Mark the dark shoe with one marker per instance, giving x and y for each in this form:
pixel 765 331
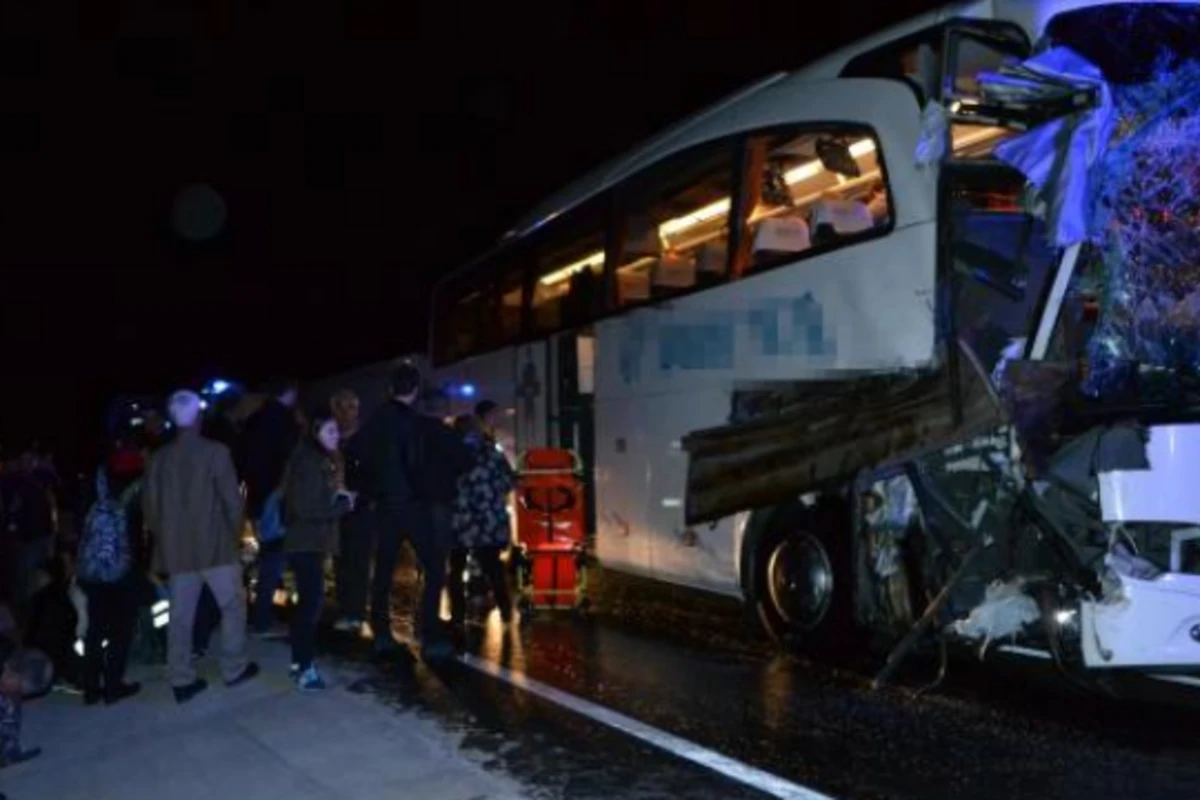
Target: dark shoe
pixel 387 646
pixel 20 757
pixel 91 697
pixel 186 693
pixel 438 651
pixel 248 674
pixel 121 692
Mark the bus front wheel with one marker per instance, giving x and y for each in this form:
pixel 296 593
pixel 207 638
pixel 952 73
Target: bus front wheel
pixel 800 581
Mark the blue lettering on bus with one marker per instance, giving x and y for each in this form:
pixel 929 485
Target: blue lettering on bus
pixel 704 344
pixel 806 335
pixel 704 340
pixel 631 346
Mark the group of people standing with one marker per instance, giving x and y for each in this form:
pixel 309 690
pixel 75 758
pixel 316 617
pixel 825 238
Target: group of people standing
pixel 333 486
pixel 355 490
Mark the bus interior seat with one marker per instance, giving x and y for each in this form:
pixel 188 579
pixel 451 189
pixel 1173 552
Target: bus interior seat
pixel 833 217
pixel 711 260
pixel 778 236
pixel 675 271
pixel 633 285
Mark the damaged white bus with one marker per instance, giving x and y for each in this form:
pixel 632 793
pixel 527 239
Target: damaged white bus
pixel 905 341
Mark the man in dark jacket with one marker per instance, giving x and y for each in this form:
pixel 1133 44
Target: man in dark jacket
pixel 411 464
pixel 270 437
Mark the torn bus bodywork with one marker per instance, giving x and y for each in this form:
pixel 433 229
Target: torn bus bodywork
pixel 1033 491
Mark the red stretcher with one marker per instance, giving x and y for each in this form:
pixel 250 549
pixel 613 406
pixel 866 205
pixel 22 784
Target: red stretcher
pixel 551 530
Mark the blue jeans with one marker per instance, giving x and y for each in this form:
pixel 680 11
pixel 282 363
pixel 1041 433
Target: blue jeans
pixel 272 561
pixel 309 569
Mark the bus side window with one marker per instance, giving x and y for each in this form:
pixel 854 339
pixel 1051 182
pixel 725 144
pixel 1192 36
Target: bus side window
pixel 502 311
pixel 460 318
pixel 568 283
pixel 810 192
pixel 674 227
pixel 509 300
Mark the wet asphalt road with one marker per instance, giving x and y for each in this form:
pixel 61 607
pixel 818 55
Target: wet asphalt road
pixel 986 733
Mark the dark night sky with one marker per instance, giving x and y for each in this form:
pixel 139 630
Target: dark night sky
pixel 359 152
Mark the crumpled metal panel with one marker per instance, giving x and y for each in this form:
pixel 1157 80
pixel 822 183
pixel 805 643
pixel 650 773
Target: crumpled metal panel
pixel 829 434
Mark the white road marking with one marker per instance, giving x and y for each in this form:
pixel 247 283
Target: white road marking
pixel 1185 680
pixel 731 768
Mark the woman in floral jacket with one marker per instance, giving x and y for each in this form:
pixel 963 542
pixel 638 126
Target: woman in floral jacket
pixel 481 522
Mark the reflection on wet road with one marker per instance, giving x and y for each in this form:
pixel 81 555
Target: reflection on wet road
pixel 556 754
pixel 987 734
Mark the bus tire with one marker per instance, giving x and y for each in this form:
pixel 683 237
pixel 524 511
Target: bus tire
pixel 800 585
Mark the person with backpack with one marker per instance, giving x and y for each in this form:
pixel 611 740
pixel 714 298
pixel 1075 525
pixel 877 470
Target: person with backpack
pixel 268 441
pixel 106 572
pixel 315 499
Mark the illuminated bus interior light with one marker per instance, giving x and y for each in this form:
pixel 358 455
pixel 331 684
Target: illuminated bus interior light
pixel 596 259
pixel 703 215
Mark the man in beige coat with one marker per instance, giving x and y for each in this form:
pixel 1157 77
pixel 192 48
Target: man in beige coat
pixel 194 509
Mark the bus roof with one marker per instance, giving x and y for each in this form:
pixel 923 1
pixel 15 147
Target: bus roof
pixel 709 123
pixel 736 112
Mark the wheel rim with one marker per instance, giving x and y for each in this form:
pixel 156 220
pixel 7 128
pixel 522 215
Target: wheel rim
pixel 800 577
